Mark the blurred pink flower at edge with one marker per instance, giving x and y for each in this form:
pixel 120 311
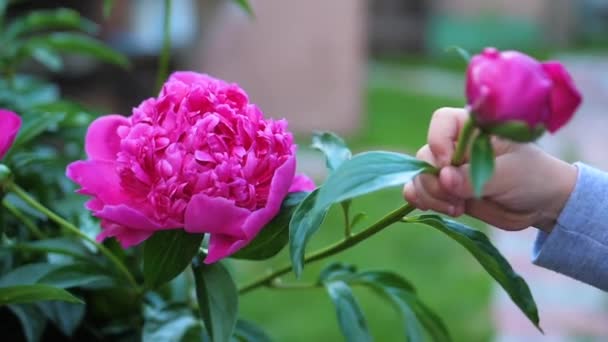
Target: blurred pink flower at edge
pixel 9 127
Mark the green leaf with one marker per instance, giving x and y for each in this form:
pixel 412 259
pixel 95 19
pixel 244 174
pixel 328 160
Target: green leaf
pixel 39 20
pixel 168 324
pixel 66 316
pixel 482 163
pixel 245 6
pixel 27 274
pixel 217 297
pixel 167 253
pixel 402 295
pixel 304 223
pixel 337 271
pixel 65 246
pixel 350 317
pixel 333 147
pixel 73 43
pixel 26 92
pixel 33 126
pixel 247 331
pixel 34 293
pixel 358 218
pixel 84 275
pixel 48 58
pixel 364 173
pixel 32 320
pixel 463 53
pixel 489 257
pixel 76 114
pixel 275 235
pixel 368 172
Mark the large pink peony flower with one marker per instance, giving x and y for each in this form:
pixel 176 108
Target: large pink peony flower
pixel 9 127
pixel 198 157
pixel 511 86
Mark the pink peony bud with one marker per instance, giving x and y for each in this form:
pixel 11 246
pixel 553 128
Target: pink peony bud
pixel 9 127
pixel 511 86
pixel 198 157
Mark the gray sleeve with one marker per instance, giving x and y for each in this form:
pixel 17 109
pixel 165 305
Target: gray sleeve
pixel 578 244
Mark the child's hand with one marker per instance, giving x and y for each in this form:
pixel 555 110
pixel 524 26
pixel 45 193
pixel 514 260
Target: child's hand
pixel 529 187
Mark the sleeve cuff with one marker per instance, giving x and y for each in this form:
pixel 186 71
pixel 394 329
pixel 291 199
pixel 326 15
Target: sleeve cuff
pixel 578 244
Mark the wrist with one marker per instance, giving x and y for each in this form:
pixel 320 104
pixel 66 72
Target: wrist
pixel 565 176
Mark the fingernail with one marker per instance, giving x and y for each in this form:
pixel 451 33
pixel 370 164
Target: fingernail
pixel 451 210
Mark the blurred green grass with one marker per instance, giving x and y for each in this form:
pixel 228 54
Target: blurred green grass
pixel 447 278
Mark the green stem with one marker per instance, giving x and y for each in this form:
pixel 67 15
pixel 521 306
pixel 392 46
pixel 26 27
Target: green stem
pixel 336 248
pixel 71 228
pixel 463 141
pixel 276 283
pixel 29 224
pixel 163 62
pixel 346 212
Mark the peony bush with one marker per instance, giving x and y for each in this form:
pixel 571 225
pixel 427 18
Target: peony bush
pixel 197 176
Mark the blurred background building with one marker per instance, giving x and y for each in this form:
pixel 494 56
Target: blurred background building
pixel 375 70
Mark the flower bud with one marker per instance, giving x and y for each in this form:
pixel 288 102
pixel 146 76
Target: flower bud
pixel 509 86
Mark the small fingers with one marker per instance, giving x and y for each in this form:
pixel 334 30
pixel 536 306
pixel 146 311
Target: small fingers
pixel 429 196
pixel 444 128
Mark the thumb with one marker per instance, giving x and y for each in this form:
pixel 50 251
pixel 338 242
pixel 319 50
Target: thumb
pixel 457 182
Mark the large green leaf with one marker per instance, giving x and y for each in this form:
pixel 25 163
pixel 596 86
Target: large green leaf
pixel 247 331
pixel 167 253
pixel 34 293
pixel 333 147
pixel 350 317
pixel 304 223
pixel 402 295
pixel 217 297
pixel 364 173
pixel 38 20
pixel 73 43
pixel 489 257
pixel 368 172
pixel 482 163
pixel 32 320
pixel 275 235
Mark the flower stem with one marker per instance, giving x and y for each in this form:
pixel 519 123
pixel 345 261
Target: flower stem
pixel 463 141
pixel 71 228
pixel 346 212
pixel 29 224
pixel 163 61
pixel 336 248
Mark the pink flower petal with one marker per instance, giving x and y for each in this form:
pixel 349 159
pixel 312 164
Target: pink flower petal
pixel 132 218
pixel 221 246
pixel 215 215
pixel 279 187
pixel 97 178
pixel 302 182
pixel 102 141
pixel 127 237
pixel 565 98
pixel 9 127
